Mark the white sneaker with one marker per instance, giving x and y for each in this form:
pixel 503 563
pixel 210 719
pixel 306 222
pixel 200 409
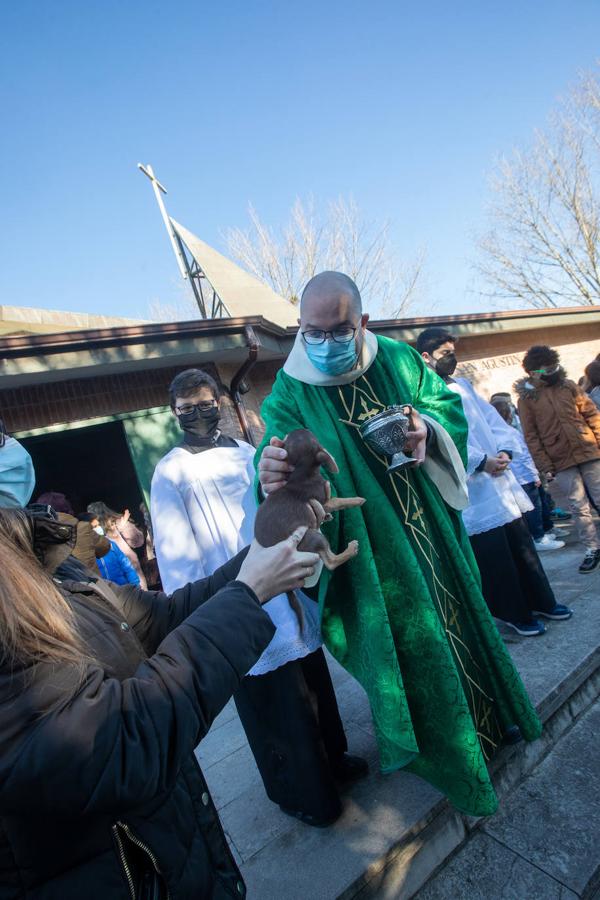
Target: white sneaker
pixel 555 536
pixel 548 543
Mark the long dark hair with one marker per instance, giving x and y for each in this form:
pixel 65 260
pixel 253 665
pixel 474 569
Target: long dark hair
pixel 36 622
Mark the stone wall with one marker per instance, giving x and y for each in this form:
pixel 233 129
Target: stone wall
pixel 493 362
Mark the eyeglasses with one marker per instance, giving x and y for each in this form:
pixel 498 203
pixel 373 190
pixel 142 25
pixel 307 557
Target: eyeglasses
pixel 187 408
pixel 339 335
pixel 546 370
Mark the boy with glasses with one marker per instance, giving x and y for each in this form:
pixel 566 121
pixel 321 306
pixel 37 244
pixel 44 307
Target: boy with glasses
pixel 203 509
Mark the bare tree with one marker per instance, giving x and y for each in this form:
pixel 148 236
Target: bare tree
pixel 180 307
pixel 338 238
pixel 543 247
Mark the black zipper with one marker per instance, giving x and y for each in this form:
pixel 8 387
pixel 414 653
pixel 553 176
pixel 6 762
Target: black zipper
pixel 124 863
pixel 141 846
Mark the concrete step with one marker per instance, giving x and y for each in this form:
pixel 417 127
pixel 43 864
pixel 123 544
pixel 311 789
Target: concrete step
pixel 396 830
pixel 543 843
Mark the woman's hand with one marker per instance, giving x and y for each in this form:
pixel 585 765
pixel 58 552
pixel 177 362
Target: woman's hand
pixel 269 571
pixel 273 468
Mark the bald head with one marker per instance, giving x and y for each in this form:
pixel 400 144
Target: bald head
pixel 331 302
pixel 329 290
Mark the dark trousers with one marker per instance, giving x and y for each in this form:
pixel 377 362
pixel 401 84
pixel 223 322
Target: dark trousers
pixel 539 519
pixel 534 516
pixel 295 732
pixel 513 579
pixel 547 508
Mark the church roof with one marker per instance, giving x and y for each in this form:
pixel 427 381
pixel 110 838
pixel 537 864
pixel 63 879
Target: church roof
pixel 241 293
pixel 24 320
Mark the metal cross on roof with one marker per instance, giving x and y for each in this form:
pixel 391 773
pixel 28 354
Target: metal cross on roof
pixel 209 303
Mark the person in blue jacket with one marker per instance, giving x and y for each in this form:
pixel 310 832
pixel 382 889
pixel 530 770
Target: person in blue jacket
pixel 115 566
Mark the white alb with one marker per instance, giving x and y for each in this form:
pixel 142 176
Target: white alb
pixel 203 510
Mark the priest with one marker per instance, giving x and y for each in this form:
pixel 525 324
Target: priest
pixel 406 617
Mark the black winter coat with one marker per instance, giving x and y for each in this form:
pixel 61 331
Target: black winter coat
pixel 106 785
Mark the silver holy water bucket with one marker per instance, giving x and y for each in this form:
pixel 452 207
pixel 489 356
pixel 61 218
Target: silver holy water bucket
pixel 386 434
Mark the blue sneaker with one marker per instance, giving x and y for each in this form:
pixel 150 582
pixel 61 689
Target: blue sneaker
pixel 560 514
pixel 512 735
pixel 559 612
pixel 527 629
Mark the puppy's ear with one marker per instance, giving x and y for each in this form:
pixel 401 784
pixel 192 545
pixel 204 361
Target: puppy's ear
pixel 326 460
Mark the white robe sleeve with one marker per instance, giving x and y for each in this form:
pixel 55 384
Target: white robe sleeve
pixel 445 468
pixel 177 552
pixel 475 452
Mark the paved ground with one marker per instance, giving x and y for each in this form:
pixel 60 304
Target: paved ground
pixel 283 858
pixel 543 843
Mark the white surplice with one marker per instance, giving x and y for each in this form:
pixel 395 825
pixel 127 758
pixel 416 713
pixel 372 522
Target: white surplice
pixel 203 511
pixel 493 500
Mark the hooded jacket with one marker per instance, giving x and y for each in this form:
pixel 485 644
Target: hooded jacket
pixel 89 545
pixel 102 790
pixel 560 423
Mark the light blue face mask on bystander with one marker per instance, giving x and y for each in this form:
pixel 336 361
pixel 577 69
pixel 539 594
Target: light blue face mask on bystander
pixel 332 357
pixel 17 477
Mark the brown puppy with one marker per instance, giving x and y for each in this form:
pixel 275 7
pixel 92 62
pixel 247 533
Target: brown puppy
pixel 305 499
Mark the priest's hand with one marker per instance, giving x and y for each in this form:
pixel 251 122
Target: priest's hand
pixel 273 468
pixel 416 439
pixel 269 571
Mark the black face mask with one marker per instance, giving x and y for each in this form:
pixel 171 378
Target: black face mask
pixel 202 422
pixel 446 365
pixel 554 378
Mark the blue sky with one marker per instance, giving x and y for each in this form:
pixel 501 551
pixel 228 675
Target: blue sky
pixel 404 106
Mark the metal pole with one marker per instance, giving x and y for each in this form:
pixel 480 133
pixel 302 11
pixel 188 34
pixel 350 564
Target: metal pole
pixel 235 390
pixel 196 287
pixel 157 188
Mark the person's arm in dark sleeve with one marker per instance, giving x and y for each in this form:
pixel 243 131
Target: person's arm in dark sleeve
pixel 118 744
pixel 153 614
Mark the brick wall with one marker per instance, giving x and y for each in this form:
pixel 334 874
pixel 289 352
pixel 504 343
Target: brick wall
pixel 38 406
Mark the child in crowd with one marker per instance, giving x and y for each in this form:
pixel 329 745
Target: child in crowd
pixel 538 519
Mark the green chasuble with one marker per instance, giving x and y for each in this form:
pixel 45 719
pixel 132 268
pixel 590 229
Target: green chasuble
pixel 406 617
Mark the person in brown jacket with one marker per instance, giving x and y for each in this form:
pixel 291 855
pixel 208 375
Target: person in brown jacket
pixel 90 546
pixel 562 428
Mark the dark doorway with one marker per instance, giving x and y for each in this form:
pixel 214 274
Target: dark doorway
pixel 86 464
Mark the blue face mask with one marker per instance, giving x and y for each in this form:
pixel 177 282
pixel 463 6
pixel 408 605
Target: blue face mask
pixel 17 478
pixel 331 357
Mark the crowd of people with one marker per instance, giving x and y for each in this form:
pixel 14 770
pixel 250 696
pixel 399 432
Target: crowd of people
pixel 121 642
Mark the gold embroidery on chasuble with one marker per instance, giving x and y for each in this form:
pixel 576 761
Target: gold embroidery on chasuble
pixel 359 402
